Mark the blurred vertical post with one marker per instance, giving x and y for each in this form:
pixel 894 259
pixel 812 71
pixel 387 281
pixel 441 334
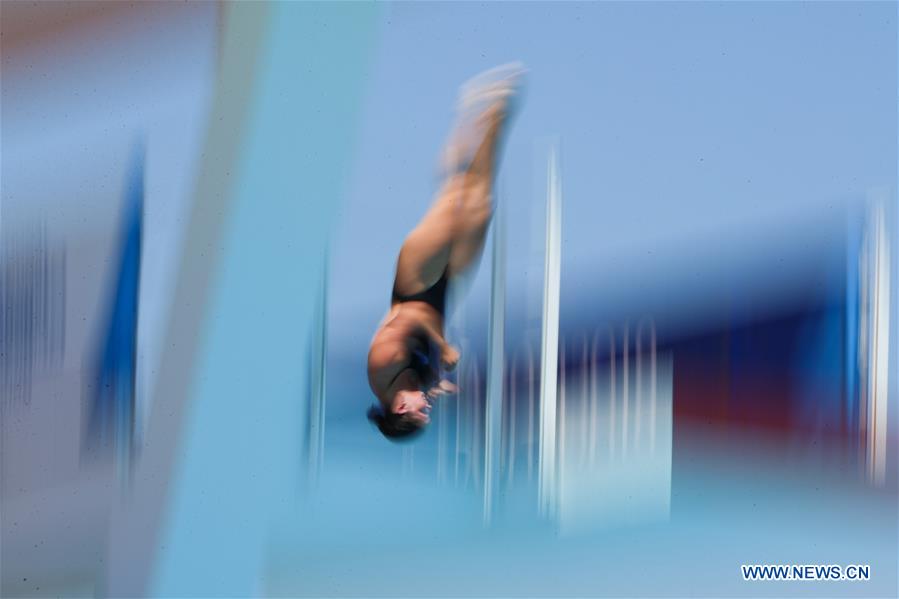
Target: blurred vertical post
pixel 315 426
pixel 495 365
pixel 875 326
pixel 549 358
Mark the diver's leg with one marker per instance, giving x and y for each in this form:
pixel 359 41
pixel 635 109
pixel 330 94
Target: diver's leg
pixel 472 217
pixel 425 254
pixel 450 237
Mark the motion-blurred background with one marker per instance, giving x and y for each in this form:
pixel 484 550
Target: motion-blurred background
pixel 201 209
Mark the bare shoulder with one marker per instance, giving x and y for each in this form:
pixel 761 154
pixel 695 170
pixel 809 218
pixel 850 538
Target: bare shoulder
pixel 386 351
pixel 393 341
pixel 387 357
pixel 389 346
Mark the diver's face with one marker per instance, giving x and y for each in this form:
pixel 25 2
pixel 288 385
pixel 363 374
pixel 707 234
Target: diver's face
pixel 414 404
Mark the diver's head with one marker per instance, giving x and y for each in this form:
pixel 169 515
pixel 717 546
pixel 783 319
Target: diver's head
pixel 407 417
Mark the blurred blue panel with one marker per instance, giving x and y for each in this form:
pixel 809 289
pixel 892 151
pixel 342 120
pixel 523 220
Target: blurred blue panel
pixel 853 252
pixel 111 389
pixel 243 432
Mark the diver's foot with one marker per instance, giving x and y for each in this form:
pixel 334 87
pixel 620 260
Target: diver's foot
pixel 484 103
pixel 483 90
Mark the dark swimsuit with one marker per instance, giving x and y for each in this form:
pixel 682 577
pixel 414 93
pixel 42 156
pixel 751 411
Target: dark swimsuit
pixel 425 356
pixel 434 296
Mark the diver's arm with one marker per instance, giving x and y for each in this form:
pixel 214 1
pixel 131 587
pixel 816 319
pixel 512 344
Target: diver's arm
pixel 449 355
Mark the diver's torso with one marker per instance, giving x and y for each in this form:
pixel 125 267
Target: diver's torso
pixel 401 343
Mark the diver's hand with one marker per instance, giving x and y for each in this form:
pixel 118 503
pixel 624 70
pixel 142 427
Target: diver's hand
pixel 444 387
pixel 449 357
